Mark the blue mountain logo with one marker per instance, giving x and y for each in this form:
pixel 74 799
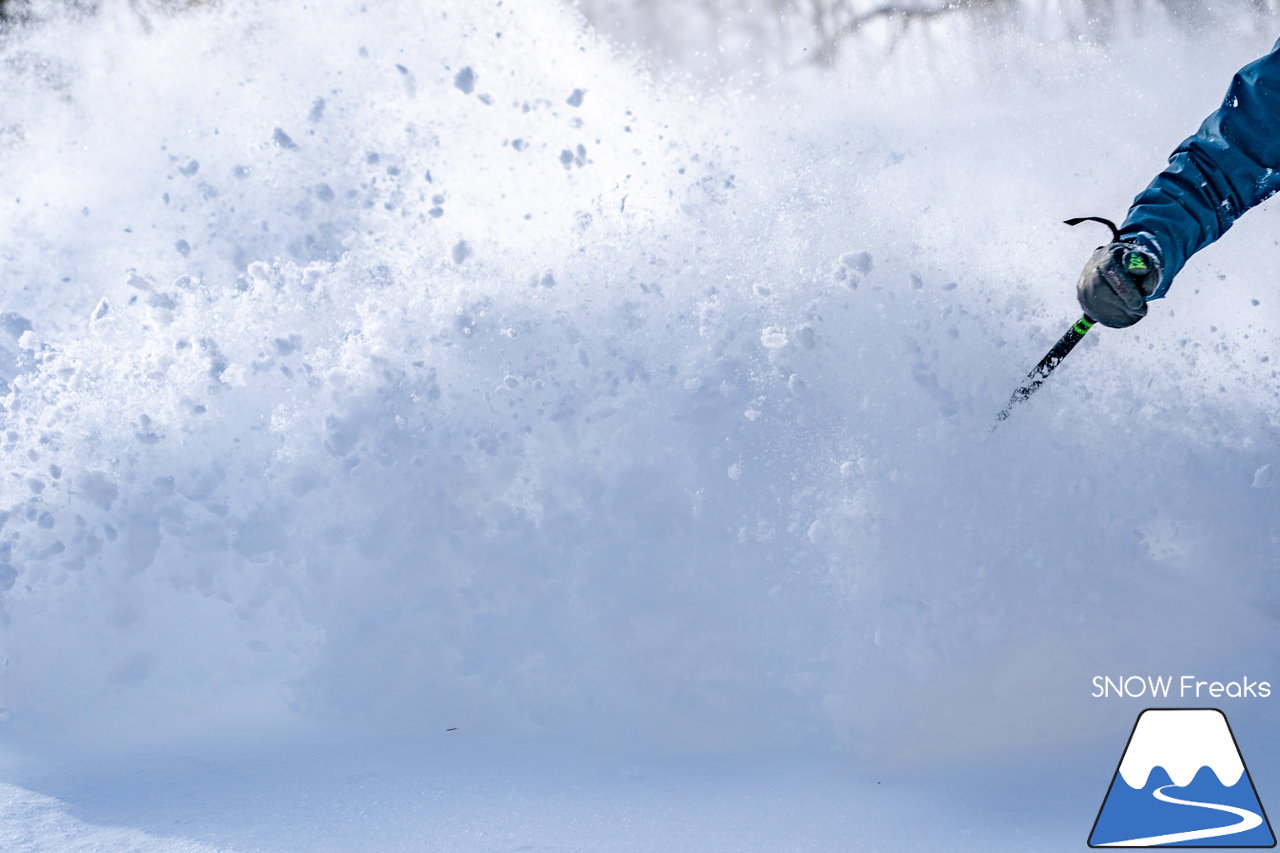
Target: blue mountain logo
pixel 1182 783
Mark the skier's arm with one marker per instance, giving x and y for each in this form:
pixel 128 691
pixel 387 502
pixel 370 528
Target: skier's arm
pixel 1230 165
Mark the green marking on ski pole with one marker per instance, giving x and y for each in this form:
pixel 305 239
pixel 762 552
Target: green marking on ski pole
pixel 1052 359
pixel 1137 262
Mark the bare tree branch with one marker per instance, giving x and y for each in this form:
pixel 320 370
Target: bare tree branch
pixel 905 15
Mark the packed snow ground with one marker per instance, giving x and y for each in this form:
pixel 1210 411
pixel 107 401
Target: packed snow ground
pixel 455 794
pixel 390 368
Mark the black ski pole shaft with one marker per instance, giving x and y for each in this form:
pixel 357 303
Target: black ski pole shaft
pixel 1052 359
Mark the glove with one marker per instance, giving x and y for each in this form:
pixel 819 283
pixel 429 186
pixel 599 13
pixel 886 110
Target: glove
pixel 1117 282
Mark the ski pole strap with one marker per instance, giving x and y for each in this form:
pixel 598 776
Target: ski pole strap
pixel 1115 232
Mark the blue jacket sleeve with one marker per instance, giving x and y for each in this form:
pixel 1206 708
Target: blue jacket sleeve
pixel 1231 164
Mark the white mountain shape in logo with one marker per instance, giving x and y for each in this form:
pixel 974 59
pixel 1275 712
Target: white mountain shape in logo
pixel 1181 742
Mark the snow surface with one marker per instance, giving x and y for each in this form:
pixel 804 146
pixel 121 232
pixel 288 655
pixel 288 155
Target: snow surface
pixel 399 367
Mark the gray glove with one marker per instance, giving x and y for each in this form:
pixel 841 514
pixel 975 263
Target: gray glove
pixel 1117 282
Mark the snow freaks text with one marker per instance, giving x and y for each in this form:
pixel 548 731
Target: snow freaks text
pixel 1178 687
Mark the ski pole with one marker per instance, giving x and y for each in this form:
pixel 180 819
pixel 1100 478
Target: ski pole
pixel 1052 359
pixel 1067 342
